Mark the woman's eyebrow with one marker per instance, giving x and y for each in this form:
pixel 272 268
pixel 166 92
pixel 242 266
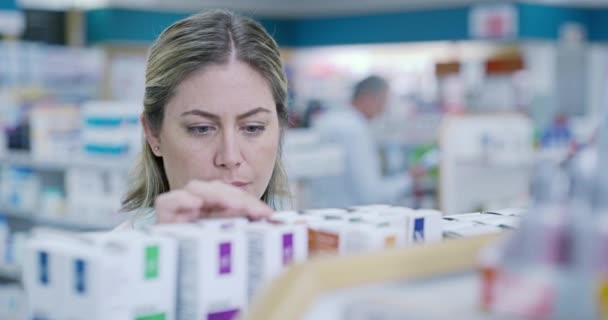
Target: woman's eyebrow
pixel 201 113
pixel 252 112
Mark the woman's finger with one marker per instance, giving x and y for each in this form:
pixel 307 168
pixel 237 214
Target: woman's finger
pixel 177 206
pixel 232 200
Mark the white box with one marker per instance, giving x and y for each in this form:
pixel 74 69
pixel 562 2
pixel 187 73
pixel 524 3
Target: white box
pixel 425 226
pixel 109 275
pixel 305 219
pixel 451 225
pixel 473 216
pixel 212 280
pixel 273 247
pixel 509 212
pixel 372 235
pixel 371 207
pixel 143 272
pixel 330 212
pixel 98 282
pixel 45 279
pixel 507 222
pixel 475 230
pixel 327 237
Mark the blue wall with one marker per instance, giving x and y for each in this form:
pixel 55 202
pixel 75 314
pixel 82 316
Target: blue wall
pixel 116 25
pixel 543 21
pixel 8 5
pixel 536 21
pixel 598 25
pixel 120 25
pixel 420 25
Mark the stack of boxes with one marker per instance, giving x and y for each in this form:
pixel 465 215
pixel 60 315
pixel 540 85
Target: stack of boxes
pixel 478 223
pixel 209 269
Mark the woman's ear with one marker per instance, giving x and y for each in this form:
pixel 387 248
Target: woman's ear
pixel 152 139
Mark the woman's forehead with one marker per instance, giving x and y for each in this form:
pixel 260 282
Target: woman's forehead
pixel 229 89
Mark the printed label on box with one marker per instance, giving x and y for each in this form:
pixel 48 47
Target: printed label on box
pixel 419 230
pixel 159 316
pixel 80 276
pixel 390 242
pixel 287 248
pixel 321 241
pixel 151 262
pixel 225 252
pixel 43 266
pixel 223 315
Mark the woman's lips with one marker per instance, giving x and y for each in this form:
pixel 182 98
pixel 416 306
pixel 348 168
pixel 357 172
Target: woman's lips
pixel 240 184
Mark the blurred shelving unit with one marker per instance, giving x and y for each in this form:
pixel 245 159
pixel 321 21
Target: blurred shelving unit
pixel 68 223
pixel 23 159
pixel 10 273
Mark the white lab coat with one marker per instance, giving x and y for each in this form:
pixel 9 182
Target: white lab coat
pixel 362 182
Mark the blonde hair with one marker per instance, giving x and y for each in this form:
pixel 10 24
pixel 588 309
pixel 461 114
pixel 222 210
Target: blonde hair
pixel 183 48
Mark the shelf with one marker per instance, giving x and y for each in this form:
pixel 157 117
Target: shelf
pixel 481 163
pixel 26 160
pixel 10 273
pixel 55 222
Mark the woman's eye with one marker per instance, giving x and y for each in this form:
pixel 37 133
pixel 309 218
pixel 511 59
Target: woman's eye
pixel 201 130
pixel 254 129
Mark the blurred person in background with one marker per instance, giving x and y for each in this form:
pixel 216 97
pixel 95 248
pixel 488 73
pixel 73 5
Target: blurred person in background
pixel 362 181
pixel 314 108
pixel 215 109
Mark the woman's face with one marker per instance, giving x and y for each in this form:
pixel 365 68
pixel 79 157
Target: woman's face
pixel 221 124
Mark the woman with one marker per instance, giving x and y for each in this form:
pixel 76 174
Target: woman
pixel 214 114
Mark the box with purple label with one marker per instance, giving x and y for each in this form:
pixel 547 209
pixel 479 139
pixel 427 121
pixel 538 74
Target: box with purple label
pixel 272 247
pixel 212 279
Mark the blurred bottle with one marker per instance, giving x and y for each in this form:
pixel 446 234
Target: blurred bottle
pixel 575 296
pixel 527 280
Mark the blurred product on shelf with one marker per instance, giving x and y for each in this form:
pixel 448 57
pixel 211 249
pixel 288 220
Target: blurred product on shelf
pixel 19 188
pixel 111 129
pixel 54 131
pixel 72 74
pixel 485 162
pixel 502 89
pixel 450 87
pixel 5 234
pixel 92 195
pixel 13 304
pixel 558 255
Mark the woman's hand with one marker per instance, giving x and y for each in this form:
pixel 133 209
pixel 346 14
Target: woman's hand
pixel 200 199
